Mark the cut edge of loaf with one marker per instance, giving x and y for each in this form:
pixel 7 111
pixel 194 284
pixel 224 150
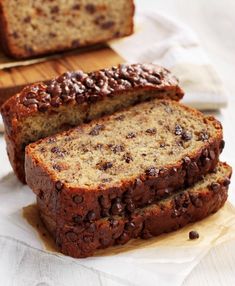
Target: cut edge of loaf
pixel 11 49
pixel 170 214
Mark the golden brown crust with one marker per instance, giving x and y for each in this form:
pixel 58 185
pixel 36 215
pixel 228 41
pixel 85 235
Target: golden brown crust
pixel 168 215
pixel 83 90
pixel 169 179
pixel 89 88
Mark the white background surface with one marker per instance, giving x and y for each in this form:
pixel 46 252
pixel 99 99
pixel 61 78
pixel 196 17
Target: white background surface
pixel 214 23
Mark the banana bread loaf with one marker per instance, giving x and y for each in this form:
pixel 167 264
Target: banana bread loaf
pixel 41 109
pixel 190 205
pixel 41 27
pixel 123 161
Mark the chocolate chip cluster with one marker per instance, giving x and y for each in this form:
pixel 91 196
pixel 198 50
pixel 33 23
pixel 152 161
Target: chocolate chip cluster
pixel 79 87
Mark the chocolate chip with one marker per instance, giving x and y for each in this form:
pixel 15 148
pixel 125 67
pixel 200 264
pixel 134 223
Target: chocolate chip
pixel 51 140
pixel 129 226
pixel 226 182
pixel 186 136
pixel 80 98
pixel 117 148
pixel 96 130
pixel 99 19
pixel 59 185
pixel 151 171
pixel 29 49
pixel 43 107
pixel 215 187
pixel 15 35
pixel 76 43
pixel 42 149
pixel 55 9
pixel 130 135
pixel 113 223
pixel 196 201
pixel 55 102
pixel 89 82
pixel 90 8
pixel 178 130
pixel 106 180
pixel 203 136
pixel 77 219
pixel 107 25
pixel 76 7
pixel 31 95
pixel 123 238
pixel 78 199
pixel 71 236
pixel 153 79
pixel 57 167
pixel 151 131
pixel 29 101
pixel 117 208
pixel 91 216
pixel 127 157
pixel 193 234
pixel 55 149
pixel 105 166
pixel 27 19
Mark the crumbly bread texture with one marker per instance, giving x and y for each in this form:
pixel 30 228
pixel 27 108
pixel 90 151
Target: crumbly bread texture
pixel 187 206
pixel 123 161
pixel 41 110
pixel 41 27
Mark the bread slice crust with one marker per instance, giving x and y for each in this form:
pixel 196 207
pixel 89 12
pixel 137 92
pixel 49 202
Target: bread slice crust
pixel 63 192
pixel 190 205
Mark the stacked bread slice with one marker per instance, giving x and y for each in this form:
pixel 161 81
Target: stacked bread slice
pixel 150 166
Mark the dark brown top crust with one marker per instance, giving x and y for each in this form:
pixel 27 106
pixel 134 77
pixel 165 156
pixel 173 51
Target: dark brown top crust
pixel 79 87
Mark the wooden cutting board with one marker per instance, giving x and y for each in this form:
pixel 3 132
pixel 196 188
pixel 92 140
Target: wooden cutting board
pixel 14 79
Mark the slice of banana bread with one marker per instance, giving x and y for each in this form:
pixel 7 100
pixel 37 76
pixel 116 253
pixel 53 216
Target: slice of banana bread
pixel 41 109
pixel 190 205
pixel 47 26
pixel 123 161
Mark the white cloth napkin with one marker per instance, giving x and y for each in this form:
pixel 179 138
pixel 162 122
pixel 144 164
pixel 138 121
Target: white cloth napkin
pixel 161 40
